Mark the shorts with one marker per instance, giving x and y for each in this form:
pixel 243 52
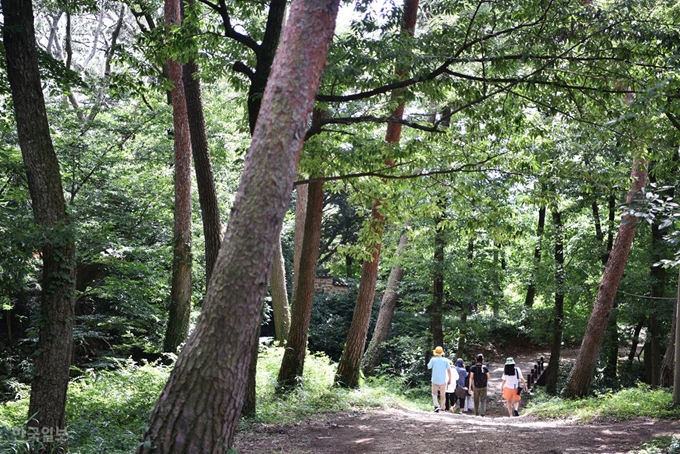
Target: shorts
pixel 510 394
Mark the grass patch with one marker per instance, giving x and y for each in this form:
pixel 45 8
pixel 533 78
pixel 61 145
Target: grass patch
pixel 625 404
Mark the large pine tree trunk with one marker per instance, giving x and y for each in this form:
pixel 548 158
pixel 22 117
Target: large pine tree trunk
pixel 293 362
pixel 531 288
pixel 180 293
pixel 582 374
pixel 373 354
pixel 199 407
pixel 53 353
pixel 553 369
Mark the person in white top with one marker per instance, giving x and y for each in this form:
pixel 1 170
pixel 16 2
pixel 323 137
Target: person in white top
pixel 451 397
pixel 511 384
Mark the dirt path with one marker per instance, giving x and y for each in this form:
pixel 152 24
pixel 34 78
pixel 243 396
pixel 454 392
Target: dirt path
pixel 411 431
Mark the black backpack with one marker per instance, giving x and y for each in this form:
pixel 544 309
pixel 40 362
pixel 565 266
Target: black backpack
pixel 480 375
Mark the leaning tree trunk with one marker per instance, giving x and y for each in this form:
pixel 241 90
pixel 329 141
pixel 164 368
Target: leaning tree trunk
pixel 553 369
pixel 531 288
pixel 582 374
pixel 349 367
pixel 205 181
pixel 55 342
pixel 199 407
pixel 373 354
pixel 180 293
pixel 293 362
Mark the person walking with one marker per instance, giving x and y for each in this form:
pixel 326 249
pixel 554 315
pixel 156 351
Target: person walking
pixel 441 376
pixel 510 385
pixel 451 389
pixel 479 378
pixel 461 388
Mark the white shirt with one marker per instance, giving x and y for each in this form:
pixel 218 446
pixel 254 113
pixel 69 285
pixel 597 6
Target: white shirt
pixel 511 381
pixel 451 387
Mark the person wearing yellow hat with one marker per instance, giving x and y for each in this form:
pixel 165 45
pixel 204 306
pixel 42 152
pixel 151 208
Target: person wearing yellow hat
pixel 441 376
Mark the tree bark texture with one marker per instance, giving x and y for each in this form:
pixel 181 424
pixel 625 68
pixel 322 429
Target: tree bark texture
pixel 293 362
pixel 199 407
pixel 582 374
pixel 349 367
pixel 553 369
pixel 180 293
pixel 388 305
pixel 531 288
pixel 298 240
pixel 55 343
pixel 205 181
pixel 279 292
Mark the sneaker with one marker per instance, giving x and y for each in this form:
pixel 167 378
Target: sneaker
pixel 515 413
pixel 436 409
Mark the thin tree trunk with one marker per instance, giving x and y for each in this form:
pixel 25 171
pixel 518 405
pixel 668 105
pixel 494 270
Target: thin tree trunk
pixel 553 369
pixel 293 362
pixel 298 240
pixel 349 367
pixel 280 308
pixel 205 181
pixel 180 293
pixel 55 342
pixel 531 289
pixel 373 354
pixel 199 407
pixel 582 374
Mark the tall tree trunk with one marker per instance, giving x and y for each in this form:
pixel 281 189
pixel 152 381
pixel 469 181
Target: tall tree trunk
pixel 293 362
pixel 531 289
pixel 582 374
pixel 180 293
pixel 349 366
pixel 435 309
pixel 280 308
pixel 388 305
pixel 199 407
pixel 205 181
pixel 553 369
pixel 55 343
pixel 612 334
pixel 298 239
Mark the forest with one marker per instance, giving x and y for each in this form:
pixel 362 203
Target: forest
pixel 191 190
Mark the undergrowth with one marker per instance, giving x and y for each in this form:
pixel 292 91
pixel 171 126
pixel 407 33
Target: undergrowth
pixel 107 410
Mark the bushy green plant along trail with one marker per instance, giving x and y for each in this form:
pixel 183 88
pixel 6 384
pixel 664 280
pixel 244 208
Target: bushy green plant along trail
pixel 107 410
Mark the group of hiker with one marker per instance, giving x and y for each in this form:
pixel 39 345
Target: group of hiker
pixel 458 388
